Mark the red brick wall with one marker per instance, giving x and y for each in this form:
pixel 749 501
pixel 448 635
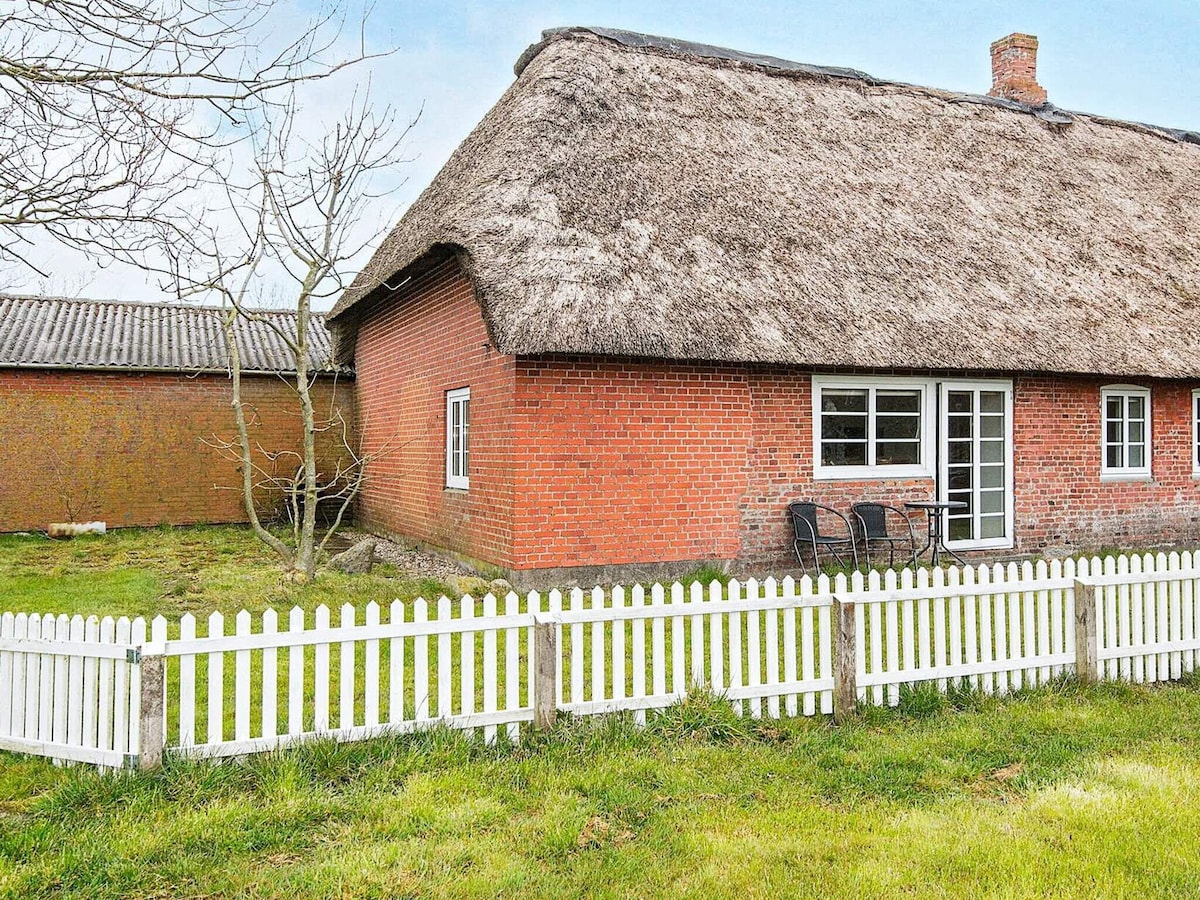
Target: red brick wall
pixel 633 462
pixel 427 340
pixel 130 449
pixel 627 462
pixel 781 471
pixel 1060 499
pixel 592 462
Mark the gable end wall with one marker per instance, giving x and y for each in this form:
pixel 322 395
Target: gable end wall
pixel 428 339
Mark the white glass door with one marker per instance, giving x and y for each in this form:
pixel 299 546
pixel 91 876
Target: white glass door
pixel 975 450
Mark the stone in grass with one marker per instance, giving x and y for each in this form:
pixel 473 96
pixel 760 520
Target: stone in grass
pixel 357 560
pixel 73 529
pixel 461 585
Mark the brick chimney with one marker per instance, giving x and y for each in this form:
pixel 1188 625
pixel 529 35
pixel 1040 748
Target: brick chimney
pixel 1014 70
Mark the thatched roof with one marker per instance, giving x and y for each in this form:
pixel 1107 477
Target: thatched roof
pixel 64 333
pixel 641 197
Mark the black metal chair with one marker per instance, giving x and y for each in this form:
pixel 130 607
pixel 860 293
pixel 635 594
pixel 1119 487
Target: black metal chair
pixel 807 533
pixel 873 519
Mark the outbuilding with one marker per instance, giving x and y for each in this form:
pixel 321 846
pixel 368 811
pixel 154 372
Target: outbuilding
pixel 118 411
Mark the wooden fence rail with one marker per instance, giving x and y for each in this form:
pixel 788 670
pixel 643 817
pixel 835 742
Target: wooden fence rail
pixel 120 693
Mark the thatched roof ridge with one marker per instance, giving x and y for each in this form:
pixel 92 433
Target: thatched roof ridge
pixel 634 196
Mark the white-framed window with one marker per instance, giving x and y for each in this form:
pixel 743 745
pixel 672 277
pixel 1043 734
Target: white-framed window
pixel 458 428
pixel 1196 433
pixel 866 427
pixel 1125 436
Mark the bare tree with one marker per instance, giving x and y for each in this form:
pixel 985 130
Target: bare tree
pixel 114 112
pixel 305 217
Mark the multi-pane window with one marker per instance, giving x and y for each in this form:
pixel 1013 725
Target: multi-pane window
pixel 458 426
pixel 976 463
pixel 954 435
pixel 870 429
pixel 1126 439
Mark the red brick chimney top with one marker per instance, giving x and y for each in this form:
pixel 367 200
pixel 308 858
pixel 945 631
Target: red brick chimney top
pixel 1014 70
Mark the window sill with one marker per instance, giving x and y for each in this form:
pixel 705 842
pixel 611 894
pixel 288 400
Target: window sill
pixel 872 474
pixel 457 488
pixel 1127 477
pixel 983 544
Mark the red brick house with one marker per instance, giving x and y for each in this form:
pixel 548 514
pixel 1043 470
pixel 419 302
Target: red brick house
pixel 664 289
pixel 111 410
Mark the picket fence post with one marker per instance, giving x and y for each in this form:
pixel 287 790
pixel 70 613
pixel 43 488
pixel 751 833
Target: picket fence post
pixel 1086 638
pixel 152 717
pixel 845 660
pixel 545 671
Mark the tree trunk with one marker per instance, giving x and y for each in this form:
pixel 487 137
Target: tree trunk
pixel 247 460
pixel 306 557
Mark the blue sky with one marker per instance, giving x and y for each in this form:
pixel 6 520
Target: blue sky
pixel 1133 60
pixel 1123 58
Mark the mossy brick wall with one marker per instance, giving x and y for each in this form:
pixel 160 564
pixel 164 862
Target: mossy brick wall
pixel 609 462
pixel 133 448
pixel 425 341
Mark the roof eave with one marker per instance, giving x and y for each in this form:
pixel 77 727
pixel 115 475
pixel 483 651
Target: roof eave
pixel 342 372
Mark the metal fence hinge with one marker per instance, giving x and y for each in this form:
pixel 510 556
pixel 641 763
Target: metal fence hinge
pixel 130 761
pixel 133 655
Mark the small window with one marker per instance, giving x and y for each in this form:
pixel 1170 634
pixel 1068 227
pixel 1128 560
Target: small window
pixel 873 430
pixel 1125 448
pixel 458 427
pixel 1196 432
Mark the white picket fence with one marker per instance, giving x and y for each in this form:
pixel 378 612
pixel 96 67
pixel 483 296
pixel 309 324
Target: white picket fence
pixel 70 688
pixel 102 691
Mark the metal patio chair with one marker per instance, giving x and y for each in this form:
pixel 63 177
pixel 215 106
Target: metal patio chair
pixel 807 533
pixel 873 528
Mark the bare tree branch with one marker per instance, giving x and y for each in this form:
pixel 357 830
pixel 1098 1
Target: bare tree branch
pixel 303 210
pixel 115 115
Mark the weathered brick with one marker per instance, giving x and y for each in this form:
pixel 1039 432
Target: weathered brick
pixel 136 448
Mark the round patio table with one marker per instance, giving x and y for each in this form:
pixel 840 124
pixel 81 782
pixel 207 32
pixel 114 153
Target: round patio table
pixel 933 510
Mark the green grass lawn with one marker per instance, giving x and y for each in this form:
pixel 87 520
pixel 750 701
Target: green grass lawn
pixel 172 571
pixel 1060 792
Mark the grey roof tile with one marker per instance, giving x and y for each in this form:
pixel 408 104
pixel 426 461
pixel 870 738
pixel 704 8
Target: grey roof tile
pixel 56 332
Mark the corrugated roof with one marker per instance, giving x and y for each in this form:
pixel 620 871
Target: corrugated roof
pixel 57 332
pixel 637 196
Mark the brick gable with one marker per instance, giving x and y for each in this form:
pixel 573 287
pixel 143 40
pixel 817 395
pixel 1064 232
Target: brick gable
pixel 426 341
